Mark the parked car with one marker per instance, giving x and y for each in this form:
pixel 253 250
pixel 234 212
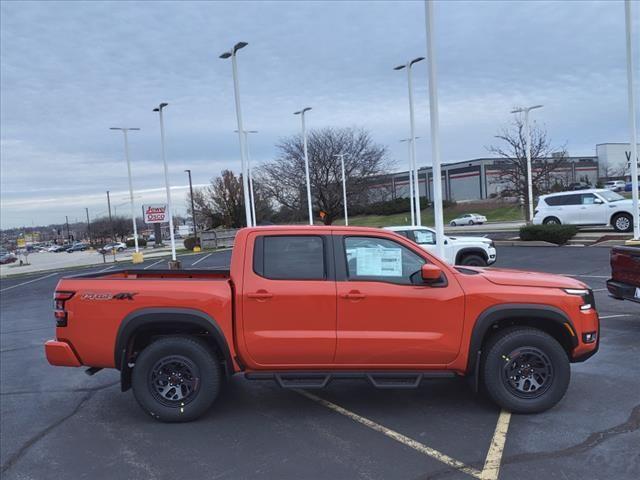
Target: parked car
pixel 624 283
pixel 468 219
pixel 597 206
pixel 7 257
pixel 615 185
pixel 578 186
pixel 77 247
pixel 629 187
pixel 350 302
pixel 117 246
pixel 473 251
pixel 58 248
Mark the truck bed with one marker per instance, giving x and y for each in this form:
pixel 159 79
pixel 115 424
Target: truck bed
pixel 210 273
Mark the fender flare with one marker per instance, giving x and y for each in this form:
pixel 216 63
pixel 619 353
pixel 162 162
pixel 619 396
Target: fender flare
pixel 472 250
pixel 167 317
pixel 512 311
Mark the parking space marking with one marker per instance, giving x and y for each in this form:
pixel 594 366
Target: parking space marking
pixel 491 468
pixel 615 316
pixel 154 263
pixel 409 442
pixel 201 259
pixel 30 281
pixel 105 269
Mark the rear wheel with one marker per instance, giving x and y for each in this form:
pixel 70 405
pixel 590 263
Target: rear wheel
pixel 471 222
pixel 176 379
pixel 525 370
pixel 453 224
pixel 622 222
pixel 551 221
pixel 473 261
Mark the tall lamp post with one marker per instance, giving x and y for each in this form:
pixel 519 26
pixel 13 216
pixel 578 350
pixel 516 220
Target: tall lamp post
pixel 527 133
pixel 193 210
pixel 174 264
pixel 306 160
pixel 412 147
pixel 435 130
pixel 344 187
pixel 632 124
pixel 113 235
pixel 243 148
pixel 250 175
pixel 411 174
pixel 137 256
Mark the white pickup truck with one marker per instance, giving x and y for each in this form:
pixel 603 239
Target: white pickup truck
pixel 470 251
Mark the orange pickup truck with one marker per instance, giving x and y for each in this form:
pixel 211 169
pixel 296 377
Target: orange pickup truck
pixel 308 305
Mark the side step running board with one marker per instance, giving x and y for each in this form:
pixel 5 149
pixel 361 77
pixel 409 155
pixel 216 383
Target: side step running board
pixel 310 379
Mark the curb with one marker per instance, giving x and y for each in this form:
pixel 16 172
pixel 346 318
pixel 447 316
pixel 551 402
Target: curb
pixel 521 243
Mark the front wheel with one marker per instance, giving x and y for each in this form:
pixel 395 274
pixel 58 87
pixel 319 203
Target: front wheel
pixel 622 223
pixel 551 221
pixel 453 224
pixel 176 379
pixel 473 261
pixel 525 370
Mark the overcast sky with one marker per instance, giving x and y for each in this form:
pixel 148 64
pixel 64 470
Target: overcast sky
pixel 69 71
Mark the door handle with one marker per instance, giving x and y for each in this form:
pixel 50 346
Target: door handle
pixel 260 295
pixel 354 295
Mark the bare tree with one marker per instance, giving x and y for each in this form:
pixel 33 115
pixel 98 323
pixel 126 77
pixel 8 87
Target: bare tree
pixel 545 160
pixel 283 179
pixel 222 202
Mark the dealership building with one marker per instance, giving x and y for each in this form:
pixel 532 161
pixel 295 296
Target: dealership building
pixel 482 178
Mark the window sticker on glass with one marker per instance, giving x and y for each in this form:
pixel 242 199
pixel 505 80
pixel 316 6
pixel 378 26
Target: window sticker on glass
pixel 373 262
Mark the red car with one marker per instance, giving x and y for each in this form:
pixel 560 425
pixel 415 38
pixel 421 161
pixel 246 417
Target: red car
pixel 624 283
pixel 308 305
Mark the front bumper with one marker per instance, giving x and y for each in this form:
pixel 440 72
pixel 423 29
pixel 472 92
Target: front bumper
pixel 622 291
pixel 61 354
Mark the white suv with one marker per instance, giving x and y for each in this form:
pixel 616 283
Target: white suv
pixel 470 251
pixel 585 207
pixel 616 185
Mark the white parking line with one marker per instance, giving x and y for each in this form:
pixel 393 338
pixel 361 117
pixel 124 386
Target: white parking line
pixel 615 316
pixel 105 269
pixel 154 263
pixel 409 442
pixel 30 281
pixel 201 259
pixel 584 276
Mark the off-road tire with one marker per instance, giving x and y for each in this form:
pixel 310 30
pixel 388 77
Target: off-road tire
pixel 206 378
pixel 506 347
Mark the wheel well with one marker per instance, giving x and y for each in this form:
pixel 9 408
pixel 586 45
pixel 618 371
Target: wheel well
pixel 549 217
pixel 613 217
pixel 557 330
pixel 471 251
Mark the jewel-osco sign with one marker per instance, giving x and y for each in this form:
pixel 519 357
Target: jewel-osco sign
pixel 158 213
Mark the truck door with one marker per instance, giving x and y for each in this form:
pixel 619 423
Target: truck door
pixel 386 315
pixel 289 300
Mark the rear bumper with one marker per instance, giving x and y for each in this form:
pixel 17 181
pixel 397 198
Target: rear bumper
pixel 622 290
pixel 61 354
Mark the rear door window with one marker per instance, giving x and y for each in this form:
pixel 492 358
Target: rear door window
pixel 290 257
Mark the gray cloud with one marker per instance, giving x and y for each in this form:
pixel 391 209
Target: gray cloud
pixel 69 71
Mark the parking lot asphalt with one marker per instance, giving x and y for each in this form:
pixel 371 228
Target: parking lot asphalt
pixel 59 423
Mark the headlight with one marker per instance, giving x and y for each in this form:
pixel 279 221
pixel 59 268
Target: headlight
pixel 588 300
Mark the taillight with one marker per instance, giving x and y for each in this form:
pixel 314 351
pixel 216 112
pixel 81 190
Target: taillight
pixel 60 314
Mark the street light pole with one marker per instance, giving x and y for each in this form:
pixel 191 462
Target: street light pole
pixel 193 209
pixel 250 176
pixel 138 256
pixel 113 235
pixel 344 187
pixel 174 264
pixel 243 148
pixel 527 133
pixel 632 123
pixel 435 130
pixel 412 147
pixel 88 225
pixel 411 174
pixel 306 160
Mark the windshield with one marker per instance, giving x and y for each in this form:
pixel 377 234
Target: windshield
pixel 611 196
